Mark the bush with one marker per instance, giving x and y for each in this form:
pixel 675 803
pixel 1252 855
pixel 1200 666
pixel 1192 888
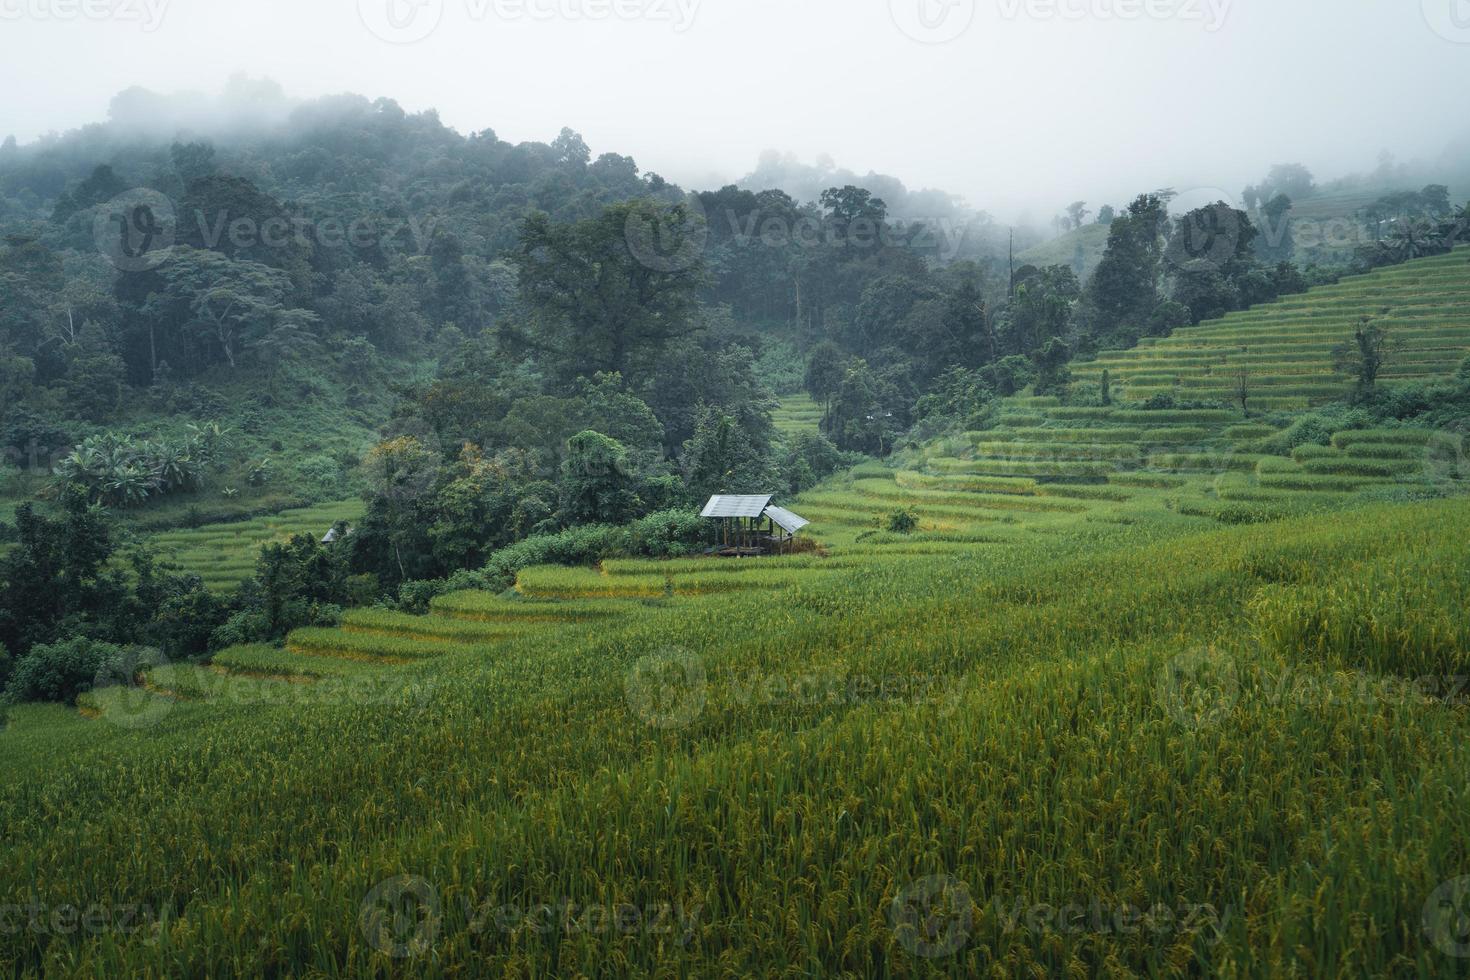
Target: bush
pixel 1315 429
pixel 61 671
pixel 809 453
pixel 321 474
pixel 1164 401
pixel 903 521
pixel 1086 394
pixel 244 627
pixel 666 534
pixel 28 437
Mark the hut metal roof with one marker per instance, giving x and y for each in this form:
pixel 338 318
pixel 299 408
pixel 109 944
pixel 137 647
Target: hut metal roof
pixel 789 522
pixel 736 505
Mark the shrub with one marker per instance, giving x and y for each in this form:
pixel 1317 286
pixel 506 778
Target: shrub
pixel 668 534
pixel 29 437
pixel 1315 428
pixel 1086 394
pixel 321 473
pixel 903 521
pixel 61 671
pixel 1164 401
pixel 244 627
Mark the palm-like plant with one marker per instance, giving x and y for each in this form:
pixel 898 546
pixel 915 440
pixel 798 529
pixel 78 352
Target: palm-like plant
pixel 174 468
pixel 128 485
pixel 119 471
pixel 209 442
pixel 1414 239
pixel 1456 228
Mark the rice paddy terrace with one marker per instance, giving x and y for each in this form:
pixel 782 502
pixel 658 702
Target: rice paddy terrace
pixel 1286 346
pixel 797 413
pixel 224 555
pixel 1078 681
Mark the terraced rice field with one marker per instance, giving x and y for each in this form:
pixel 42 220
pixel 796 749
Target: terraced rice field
pixel 797 413
pixel 1074 684
pixel 885 761
pixel 1047 472
pixel 224 555
pixel 1286 346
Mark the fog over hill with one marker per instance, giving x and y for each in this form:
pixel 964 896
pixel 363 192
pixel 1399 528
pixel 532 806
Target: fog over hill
pixel 1017 106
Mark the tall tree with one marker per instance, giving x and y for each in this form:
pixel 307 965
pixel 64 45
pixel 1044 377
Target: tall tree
pixel 1124 289
pixel 1276 243
pixel 597 305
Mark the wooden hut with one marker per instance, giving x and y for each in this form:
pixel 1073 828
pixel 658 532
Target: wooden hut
pixel 751 525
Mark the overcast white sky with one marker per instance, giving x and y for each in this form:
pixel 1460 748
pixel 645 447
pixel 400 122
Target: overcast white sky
pixel 1033 103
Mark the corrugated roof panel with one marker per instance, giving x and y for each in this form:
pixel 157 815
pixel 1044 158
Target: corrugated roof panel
pixel 736 505
pixel 790 523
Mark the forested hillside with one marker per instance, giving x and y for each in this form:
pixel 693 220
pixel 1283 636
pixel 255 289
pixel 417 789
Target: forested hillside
pixel 232 326
pixel 362 614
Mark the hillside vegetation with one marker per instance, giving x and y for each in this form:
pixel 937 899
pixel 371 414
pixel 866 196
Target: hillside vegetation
pixel 801 758
pixel 357 616
pixel 1286 346
pixel 1086 243
pixel 1023 673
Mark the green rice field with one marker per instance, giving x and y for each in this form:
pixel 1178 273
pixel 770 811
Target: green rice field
pixel 224 555
pixel 1286 346
pixel 797 413
pixel 1134 697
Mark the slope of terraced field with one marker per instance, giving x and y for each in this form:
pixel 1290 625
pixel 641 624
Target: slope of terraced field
pixel 870 763
pixel 1286 346
pixel 1075 683
pixel 797 413
pixel 224 555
